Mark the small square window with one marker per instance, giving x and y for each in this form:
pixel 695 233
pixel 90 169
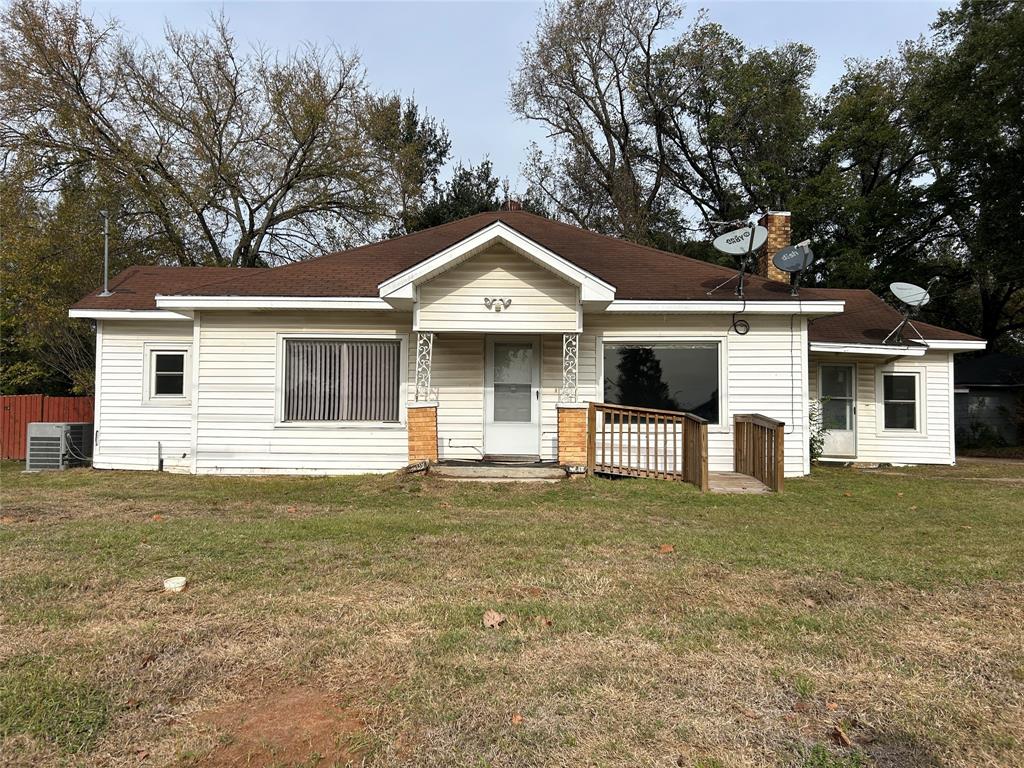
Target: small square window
pixel 168 374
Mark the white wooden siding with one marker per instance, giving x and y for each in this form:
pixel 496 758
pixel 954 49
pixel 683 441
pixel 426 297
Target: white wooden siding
pixel 237 430
pixel 542 302
pixel 764 371
pixel 133 432
pixel 933 442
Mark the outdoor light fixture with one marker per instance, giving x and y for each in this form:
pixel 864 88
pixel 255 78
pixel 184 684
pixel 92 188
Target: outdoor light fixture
pixel 497 304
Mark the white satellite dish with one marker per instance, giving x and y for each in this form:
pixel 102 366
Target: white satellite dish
pixel 737 242
pixel 912 295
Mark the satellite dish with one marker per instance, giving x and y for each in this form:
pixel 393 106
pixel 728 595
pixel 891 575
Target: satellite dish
pixel 915 297
pixel 912 295
pixel 737 242
pixel 794 259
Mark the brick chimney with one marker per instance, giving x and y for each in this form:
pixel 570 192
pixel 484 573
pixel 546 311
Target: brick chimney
pixel 777 224
pixel 511 204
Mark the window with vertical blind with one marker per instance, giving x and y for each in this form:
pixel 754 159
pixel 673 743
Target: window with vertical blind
pixel 342 380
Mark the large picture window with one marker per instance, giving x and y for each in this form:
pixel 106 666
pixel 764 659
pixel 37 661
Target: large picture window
pixel 342 380
pixel 899 391
pixel 669 376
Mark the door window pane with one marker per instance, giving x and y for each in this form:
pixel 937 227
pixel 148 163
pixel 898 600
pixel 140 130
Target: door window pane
pixel 673 377
pixel 513 382
pixel 837 414
pixel 836 381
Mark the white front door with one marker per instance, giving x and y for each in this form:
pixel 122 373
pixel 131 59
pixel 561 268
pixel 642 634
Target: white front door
pixel 837 387
pixel 512 396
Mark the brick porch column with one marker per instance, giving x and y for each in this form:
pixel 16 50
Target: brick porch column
pixel 572 434
pixel 422 432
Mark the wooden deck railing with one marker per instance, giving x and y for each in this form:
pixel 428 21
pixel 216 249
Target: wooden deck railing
pixel 758 448
pixel 646 442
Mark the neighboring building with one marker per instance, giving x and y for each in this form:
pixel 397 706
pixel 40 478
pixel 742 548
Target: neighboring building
pixel 990 400
pixel 487 337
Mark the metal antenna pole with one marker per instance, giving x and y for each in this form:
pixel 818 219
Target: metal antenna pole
pixel 106 253
pixel 746 260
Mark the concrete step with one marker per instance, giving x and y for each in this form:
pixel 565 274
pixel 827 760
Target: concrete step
pixel 508 473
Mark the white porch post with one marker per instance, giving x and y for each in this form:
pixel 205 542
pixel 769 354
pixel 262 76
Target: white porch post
pixel 424 361
pixel 570 368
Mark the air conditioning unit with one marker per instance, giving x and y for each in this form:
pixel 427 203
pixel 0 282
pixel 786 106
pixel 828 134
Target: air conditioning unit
pixel 58 445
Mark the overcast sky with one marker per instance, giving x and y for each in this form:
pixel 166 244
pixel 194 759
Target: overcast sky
pixel 457 57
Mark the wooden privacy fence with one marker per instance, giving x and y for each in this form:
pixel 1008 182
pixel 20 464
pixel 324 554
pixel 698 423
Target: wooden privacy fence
pixel 758 448
pixel 646 442
pixel 18 411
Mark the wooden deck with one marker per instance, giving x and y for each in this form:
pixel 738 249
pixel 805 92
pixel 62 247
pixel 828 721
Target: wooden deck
pixel 734 482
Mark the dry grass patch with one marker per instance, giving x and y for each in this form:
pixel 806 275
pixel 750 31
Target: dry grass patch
pixel 340 621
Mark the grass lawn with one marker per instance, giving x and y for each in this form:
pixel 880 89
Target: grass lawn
pixel 862 618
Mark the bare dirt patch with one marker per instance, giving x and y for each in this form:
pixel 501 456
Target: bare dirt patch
pixel 296 727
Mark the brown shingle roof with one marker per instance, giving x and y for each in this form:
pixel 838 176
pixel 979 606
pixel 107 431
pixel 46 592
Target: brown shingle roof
pixel 136 287
pixel 636 271
pixel 867 319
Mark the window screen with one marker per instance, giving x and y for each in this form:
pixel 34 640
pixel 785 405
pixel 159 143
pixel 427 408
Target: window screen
pixel 341 380
pixel 168 374
pixel 900 394
pixel 674 377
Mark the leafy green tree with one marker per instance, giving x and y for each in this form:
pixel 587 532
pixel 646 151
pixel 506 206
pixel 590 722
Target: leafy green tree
pixel 413 147
pixel 234 159
pixel 51 255
pixel 470 190
pixel 966 103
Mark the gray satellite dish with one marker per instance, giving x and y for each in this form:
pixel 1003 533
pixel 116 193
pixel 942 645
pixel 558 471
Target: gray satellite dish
pixel 912 295
pixel 737 242
pixel 794 259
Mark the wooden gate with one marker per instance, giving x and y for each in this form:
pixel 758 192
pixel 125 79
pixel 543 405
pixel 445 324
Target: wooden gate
pixel 18 411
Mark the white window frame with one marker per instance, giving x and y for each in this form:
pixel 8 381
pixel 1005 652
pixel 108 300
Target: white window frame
pixel 403 381
pixel 920 388
pixel 624 340
pixel 150 351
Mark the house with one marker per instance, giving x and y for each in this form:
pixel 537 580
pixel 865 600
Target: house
pixel 989 393
pixel 488 336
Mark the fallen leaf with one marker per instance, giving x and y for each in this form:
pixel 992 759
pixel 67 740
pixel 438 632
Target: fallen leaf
pixel 544 621
pixel 517 719
pixel 444 505
pixel 493 619
pixel 965 527
pixel 751 714
pixel 142 754
pixel 157 518
pixel 840 737
pixel 810 603
pixel 6 519
pixel 148 659
pixel 535 591
pixel 899 495
pixel 847 494
pixel 913 507
pixel 291 510
pixel 666 549
pixel 801 706
pixel 831 706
